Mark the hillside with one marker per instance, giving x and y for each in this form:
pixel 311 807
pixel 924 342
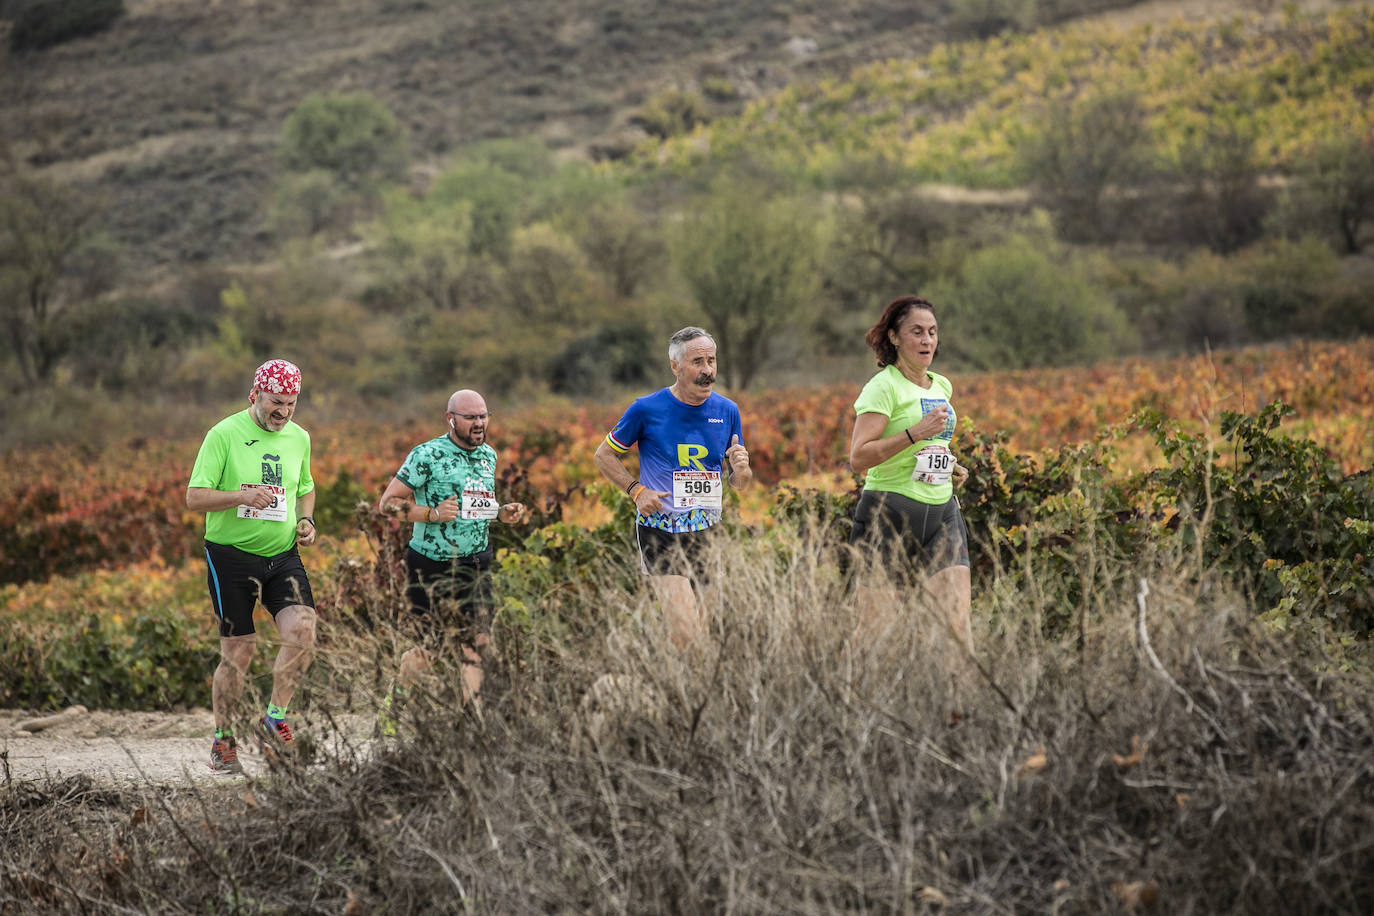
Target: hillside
pixel 962 114
pixel 175 113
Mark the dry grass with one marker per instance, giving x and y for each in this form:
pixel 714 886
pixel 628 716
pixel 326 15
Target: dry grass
pixel 1168 754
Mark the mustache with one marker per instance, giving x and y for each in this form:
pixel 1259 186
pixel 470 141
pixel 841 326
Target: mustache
pixel 705 378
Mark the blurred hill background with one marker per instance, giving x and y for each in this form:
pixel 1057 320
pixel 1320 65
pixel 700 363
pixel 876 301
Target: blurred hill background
pixel 527 197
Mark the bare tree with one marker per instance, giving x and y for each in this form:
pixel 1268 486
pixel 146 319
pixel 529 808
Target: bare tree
pixel 752 264
pixel 1340 181
pixel 50 262
pixel 1088 147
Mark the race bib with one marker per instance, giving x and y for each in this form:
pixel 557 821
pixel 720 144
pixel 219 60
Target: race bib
pixel 479 504
pixel 934 464
pixel 273 513
pixel 696 488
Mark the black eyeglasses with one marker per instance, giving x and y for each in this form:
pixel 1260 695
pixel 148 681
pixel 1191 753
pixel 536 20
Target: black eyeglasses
pixel 470 417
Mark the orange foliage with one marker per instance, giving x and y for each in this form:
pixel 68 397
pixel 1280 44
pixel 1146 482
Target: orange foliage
pixel 127 505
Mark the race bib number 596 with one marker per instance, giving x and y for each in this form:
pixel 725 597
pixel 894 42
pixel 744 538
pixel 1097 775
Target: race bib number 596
pixel 696 488
pixel 934 464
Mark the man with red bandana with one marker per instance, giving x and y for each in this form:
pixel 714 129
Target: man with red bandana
pixel 252 480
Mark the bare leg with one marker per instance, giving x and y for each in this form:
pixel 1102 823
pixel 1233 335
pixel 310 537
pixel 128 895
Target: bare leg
pixel 680 610
pixel 874 607
pixel 235 655
pixel 951 595
pixel 296 625
pixel 414 662
pixel 472 670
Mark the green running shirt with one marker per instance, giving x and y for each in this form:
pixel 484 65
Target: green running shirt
pixel 904 404
pixel 238 451
pixel 436 470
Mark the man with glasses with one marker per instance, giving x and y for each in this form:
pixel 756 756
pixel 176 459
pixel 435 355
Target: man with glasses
pixel 689 447
pixel 447 489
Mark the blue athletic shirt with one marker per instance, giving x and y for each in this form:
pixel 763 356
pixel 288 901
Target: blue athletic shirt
pixel 673 436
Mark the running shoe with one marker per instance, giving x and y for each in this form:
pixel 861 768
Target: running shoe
pixel 224 756
pixel 273 738
pixel 388 714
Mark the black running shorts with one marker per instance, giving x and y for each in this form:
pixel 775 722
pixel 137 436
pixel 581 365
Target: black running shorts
pixel 663 553
pixel 238 580
pixel 906 532
pixel 450 597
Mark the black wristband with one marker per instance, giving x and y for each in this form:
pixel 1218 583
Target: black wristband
pixel 630 486
pixel 310 519
pixel 908 435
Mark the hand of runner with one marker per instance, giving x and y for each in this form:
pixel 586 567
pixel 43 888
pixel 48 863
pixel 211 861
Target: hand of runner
pixel 447 510
pixel 960 474
pixel 737 456
pixel 512 513
pixel 305 532
pixel 931 425
pixel 256 497
pixel 650 501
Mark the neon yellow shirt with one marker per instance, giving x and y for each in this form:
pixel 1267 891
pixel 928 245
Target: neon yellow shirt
pixel 904 403
pixel 238 451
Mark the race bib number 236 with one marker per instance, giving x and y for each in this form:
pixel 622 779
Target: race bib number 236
pixel 479 504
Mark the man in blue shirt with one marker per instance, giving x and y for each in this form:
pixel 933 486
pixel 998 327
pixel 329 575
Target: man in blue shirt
pixel 689 446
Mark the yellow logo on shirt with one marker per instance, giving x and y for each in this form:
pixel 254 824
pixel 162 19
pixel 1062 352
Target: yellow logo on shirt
pixel 689 455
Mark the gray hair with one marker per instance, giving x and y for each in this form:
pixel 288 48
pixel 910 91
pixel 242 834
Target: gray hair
pixel 678 342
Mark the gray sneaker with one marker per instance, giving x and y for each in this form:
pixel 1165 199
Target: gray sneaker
pixel 224 756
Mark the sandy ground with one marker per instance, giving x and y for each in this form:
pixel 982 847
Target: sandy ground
pixel 130 748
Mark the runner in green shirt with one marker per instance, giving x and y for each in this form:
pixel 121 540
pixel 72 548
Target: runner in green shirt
pixel 447 489
pixel 252 480
pixel 908 513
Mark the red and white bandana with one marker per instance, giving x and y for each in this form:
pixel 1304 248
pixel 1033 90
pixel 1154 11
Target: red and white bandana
pixel 278 376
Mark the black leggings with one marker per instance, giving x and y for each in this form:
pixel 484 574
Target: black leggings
pixel 905 531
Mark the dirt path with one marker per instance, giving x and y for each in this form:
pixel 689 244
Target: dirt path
pixel 130 748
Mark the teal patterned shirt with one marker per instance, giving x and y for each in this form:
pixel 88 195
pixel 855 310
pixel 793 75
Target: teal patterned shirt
pixel 436 470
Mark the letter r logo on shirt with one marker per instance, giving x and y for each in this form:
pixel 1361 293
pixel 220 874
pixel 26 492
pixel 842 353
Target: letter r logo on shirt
pixel 689 455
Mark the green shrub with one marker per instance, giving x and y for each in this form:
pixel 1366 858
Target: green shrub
pixel 336 503
pixel 1220 165
pixel 112 342
pixel 1284 285
pixel 598 362
pixel 671 113
pixel 1087 146
pixel 351 135
pixel 1280 503
pixel 305 203
pixel 156 659
pixel 752 259
pixel 719 89
pixel 985 18
pixel 1027 302
pixel 44 23
pixel 1332 191
pixel 621 243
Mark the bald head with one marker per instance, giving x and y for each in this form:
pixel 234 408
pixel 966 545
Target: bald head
pixel 465 400
pixel 467 418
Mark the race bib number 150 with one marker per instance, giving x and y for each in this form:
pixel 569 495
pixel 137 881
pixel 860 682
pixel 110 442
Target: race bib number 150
pixel 934 464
